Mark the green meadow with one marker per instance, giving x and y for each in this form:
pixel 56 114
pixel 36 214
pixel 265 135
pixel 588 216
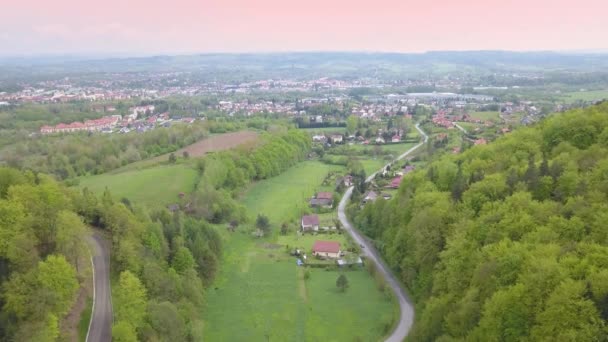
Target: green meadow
pixel 155 186
pixel 262 295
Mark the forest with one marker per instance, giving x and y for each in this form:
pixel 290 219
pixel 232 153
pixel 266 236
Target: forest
pixel 507 241
pixel 70 155
pixel 161 260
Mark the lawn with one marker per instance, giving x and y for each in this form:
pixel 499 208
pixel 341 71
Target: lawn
pixel 154 186
pixel 485 116
pixel 325 130
pixel 260 293
pixel 592 95
pixel 284 198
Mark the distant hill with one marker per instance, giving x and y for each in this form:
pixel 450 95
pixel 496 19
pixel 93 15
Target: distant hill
pixel 310 64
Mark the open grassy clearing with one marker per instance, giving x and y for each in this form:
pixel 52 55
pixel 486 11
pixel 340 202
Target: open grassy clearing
pixel 213 143
pixel 260 293
pixel 325 130
pixel 592 95
pixel 491 116
pixel 284 198
pixel 154 186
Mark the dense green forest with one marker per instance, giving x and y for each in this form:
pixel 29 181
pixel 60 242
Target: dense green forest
pixel 71 155
pixel 162 260
pixel 508 241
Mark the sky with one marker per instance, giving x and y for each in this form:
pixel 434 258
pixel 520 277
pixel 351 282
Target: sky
pixel 144 27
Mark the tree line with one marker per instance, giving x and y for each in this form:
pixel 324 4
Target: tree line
pixel 224 174
pixel 70 155
pixel 506 242
pixel 163 261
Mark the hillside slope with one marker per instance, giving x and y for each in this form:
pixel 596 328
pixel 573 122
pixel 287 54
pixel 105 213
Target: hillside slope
pixel 506 242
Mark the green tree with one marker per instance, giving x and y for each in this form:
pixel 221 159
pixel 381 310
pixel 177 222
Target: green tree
pixel 342 283
pixel 183 260
pixel 57 285
pixel 172 158
pixel 70 236
pixel 352 122
pixel 130 300
pixel 262 223
pixel 123 332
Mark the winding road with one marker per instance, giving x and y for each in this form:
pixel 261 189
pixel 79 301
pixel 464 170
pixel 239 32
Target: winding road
pixel 100 326
pixel 406 318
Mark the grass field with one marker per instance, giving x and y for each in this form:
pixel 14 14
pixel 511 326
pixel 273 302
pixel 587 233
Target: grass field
pixel 485 116
pixel 284 198
pixel 213 143
pixel 324 130
pixel 585 95
pixel 154 186
pixel 260 293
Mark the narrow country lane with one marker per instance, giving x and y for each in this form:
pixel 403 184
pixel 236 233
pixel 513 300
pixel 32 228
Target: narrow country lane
pixel 100 326
pixel 406 318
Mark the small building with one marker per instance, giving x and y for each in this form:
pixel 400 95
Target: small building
pixel 310 223
pixel 337 138
pixel 395 182
pixel 319 138
pixel 348 262
pixel 396 138
pixel 322 200
pixel 326 249
pixel 370 196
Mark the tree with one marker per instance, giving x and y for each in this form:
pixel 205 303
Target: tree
pixel 123 332
pixel 131 300
pixel 351 124
pixel 342 283
pixel 186 155
pixel 183 260
pixel 284 228
pixel 70 236
pixel 57 285
pixel 172 158
pixel 262 223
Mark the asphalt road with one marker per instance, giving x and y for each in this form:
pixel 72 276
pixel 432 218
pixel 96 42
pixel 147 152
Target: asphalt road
pixel 406 318
pixel 100 326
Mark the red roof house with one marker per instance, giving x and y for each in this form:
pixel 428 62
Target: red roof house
pixel 328 249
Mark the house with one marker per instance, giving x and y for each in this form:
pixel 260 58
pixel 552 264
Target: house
pixel 346 180
pixel 322 199
pixel 326 249
pixel 319 138
pixel 481 141
pixel 336 138
pixel 396 138
pixel 395 182
pixel 310 223
pixel 370 196
pixel 380 140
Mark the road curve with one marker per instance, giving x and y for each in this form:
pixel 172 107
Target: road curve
pixel 100 326
pixel 406 318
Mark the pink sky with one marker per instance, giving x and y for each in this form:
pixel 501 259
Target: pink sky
pixel 190 26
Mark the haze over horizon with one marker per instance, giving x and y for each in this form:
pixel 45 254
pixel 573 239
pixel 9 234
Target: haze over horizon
pixel 139 27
